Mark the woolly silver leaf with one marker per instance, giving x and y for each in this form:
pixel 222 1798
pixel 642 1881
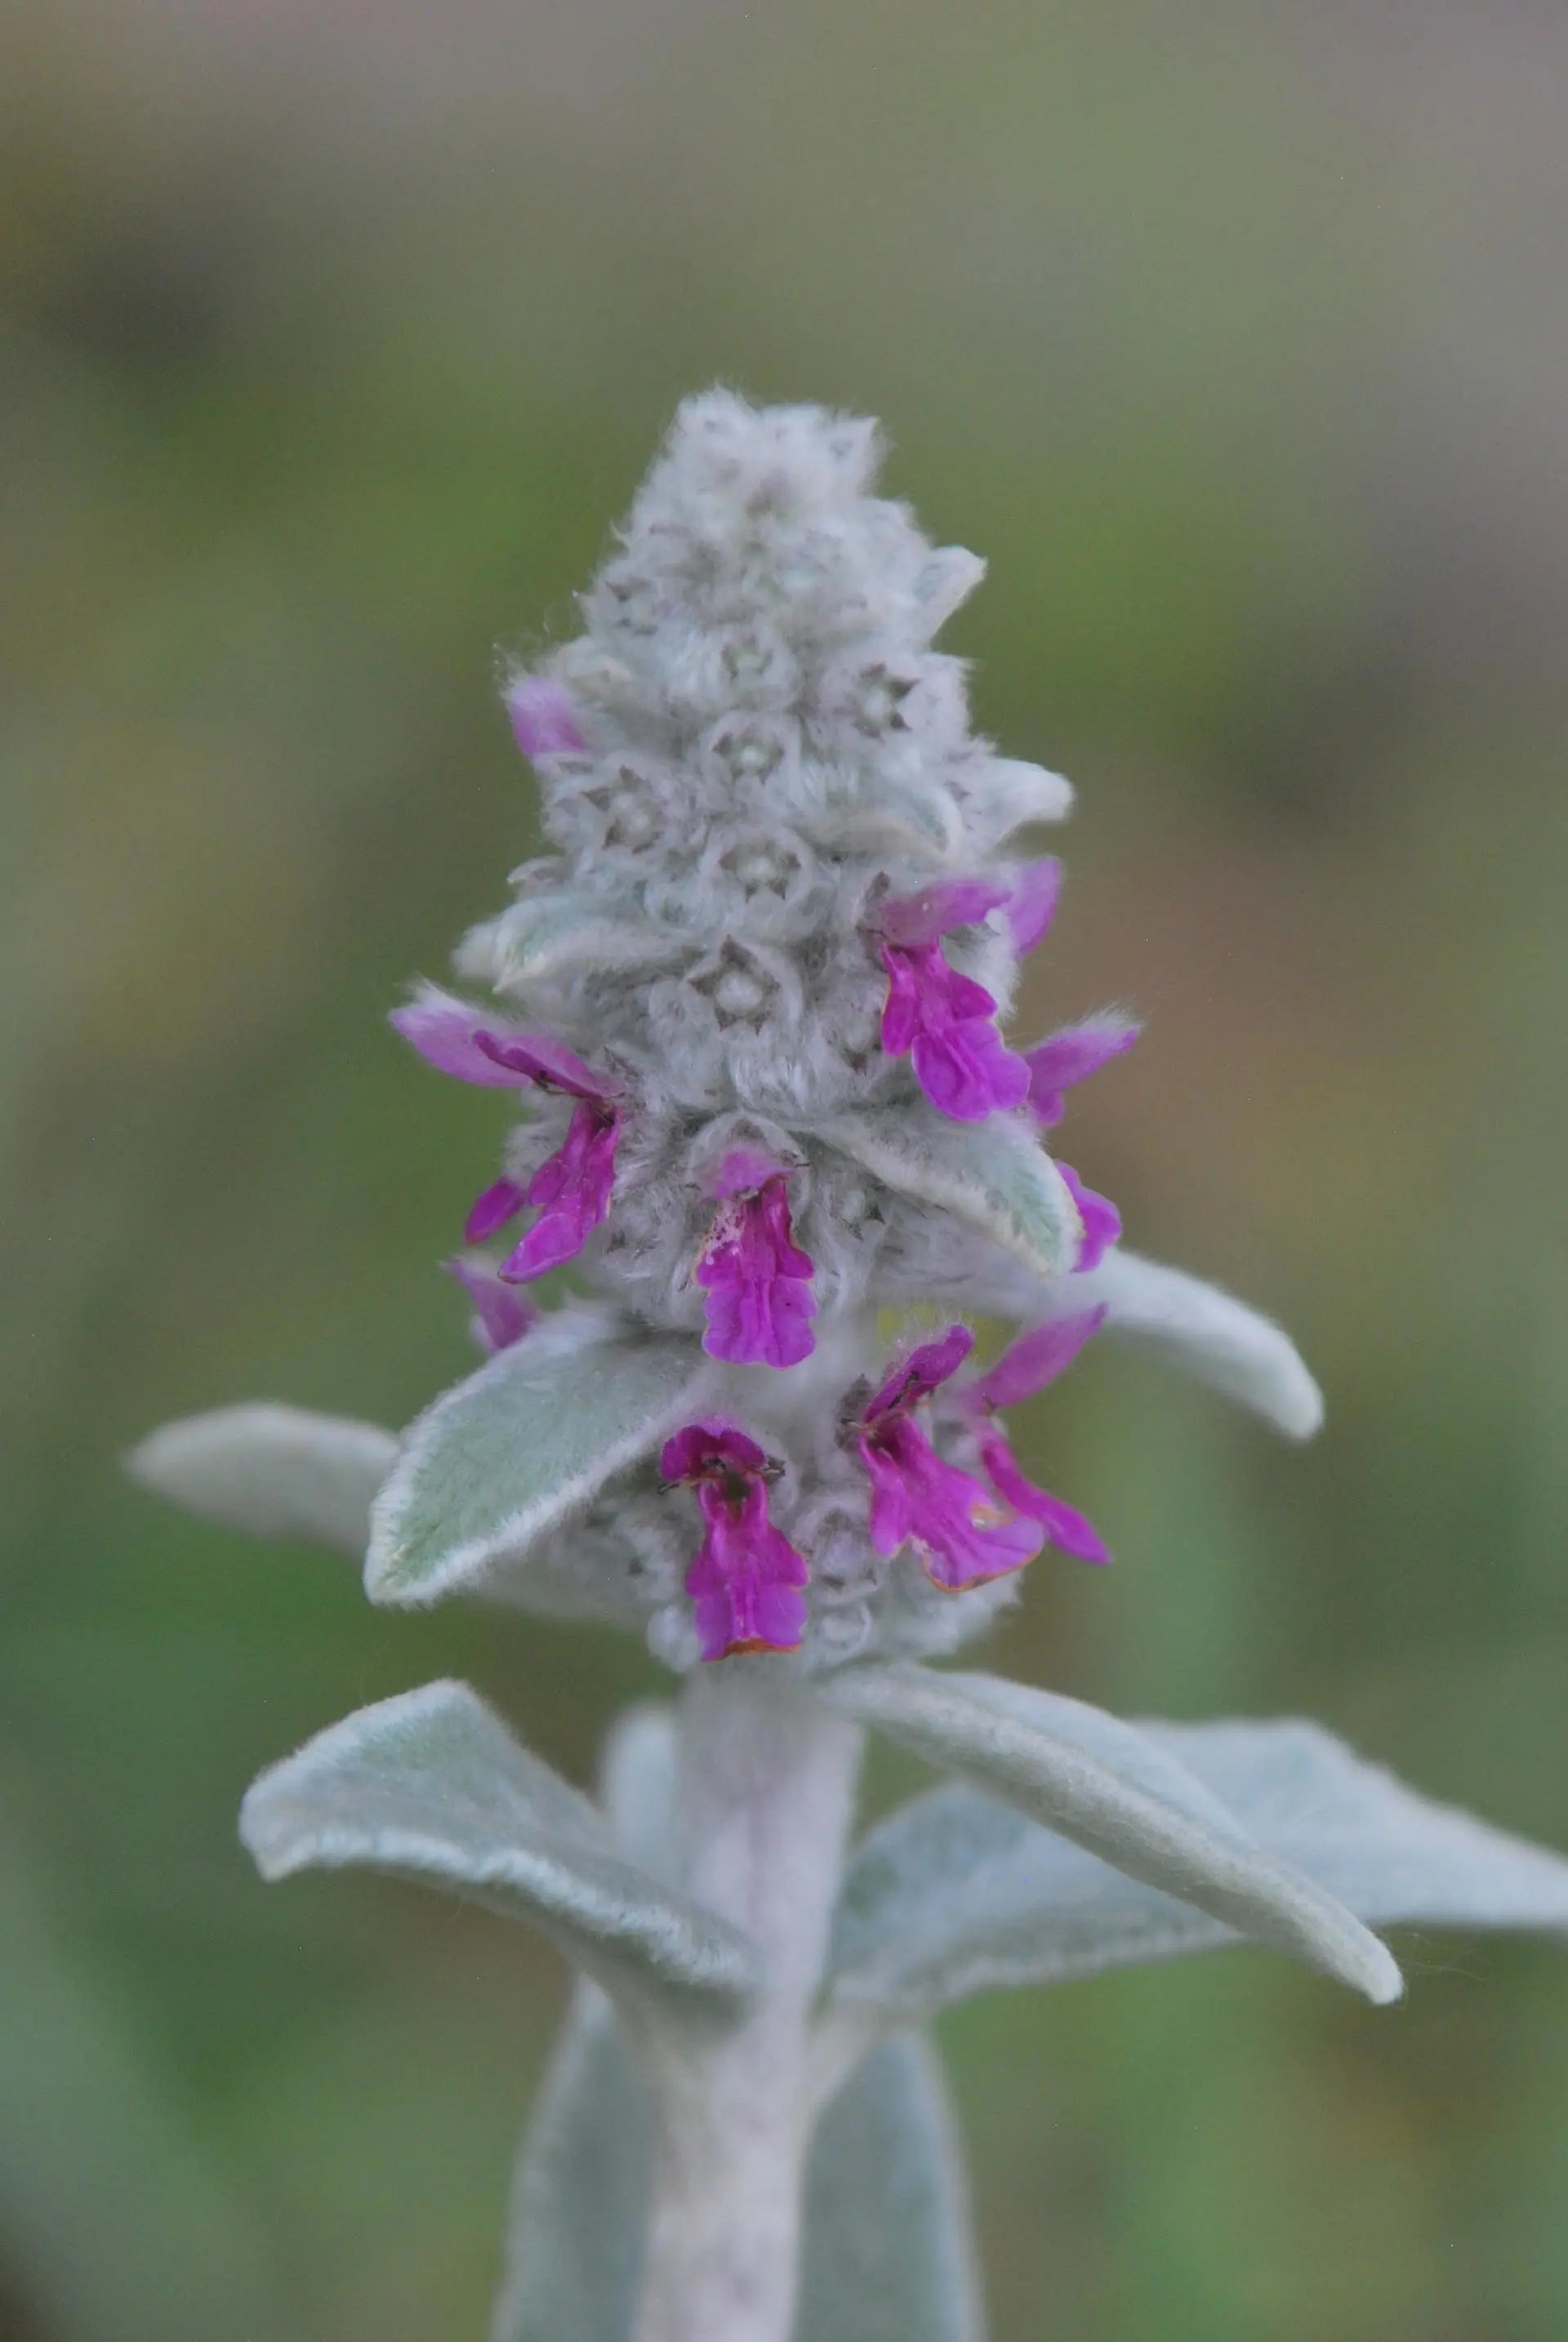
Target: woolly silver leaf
pixel 1107 1787
pixel 958 1894
pixel 574 2230
pixel 1199 1327
pixel 522 1447
pixel 552 934
pixel 431 1785
pixel 994 1176
pixel 637 1777
pixel 276 1471
pixel 889 2255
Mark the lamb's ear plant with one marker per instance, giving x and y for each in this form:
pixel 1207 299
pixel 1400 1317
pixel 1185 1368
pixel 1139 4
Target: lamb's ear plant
pixel 751 1005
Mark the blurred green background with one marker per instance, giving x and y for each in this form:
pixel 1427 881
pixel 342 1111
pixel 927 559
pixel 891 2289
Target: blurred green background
pixel 333 337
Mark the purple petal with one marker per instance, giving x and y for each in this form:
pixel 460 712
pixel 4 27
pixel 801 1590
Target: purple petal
pixel 744 1581
pixel 1037 1358
pixel 711 1445
pixel 910 921
pixel 968 1073
pixel 1102 1220
pixel 961 998
pixel 492 1210
pixel 500 1315
pixel 543 721
pixel 757 1281
pixel 1071 1056
pixel 948 1515
pixel 944 1019
pixel 451 1036
pixel 1032 905
pixel 539 1057
pixel 573 1188
pixel 1065 1527
pixel 760 1326
pixel 743 1172
pixel 772 1209
pixel 900 1013
pixel 924 1371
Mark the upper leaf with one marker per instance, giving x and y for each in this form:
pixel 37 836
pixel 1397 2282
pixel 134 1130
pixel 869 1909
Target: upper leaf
pixel 995 1175
pixel 1197 1325
pixel 1125 1797
pixel 277 1471
pixel 957 1894
pixel 521 1445
pixel 556 932
pixel 432 1785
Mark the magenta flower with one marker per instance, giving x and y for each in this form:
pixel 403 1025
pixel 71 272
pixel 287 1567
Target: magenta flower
pixel 941 1019
pixel 745 1579
pixel 964 1537
pixel 572 1188
pixel 500 1202
pixel 1032 905
pixel 542 720
pixel 1071 1056
pixel 1032 1361
pixel 757 1279
pixel 502 1315
pixel 1102 1220
pixel 449 1035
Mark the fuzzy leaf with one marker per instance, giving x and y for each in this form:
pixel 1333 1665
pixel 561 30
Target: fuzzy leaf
pixel 1124 1796
pixel 1197 1325
pixel 432 1785
pixel 637 1777
pixel 521 1445
pixel 886 2255
pixel 1012 793
pixel 957 1894
pixel 276 1471
pixel 580 2193
pixel 909 815
pixel 995 1175
pixel 553 934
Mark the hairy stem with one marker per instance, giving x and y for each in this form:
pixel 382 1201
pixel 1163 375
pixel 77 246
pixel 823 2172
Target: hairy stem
pixel 765 1792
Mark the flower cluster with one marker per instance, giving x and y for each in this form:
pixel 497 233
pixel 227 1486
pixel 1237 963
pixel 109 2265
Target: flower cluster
pixel 766 970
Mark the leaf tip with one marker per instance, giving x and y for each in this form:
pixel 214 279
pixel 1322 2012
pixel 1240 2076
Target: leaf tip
pixel 1298 1408
pixel 1382 1979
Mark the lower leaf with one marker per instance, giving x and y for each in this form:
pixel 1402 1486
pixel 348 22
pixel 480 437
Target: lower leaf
pixel 886 2253
pixel 431 1785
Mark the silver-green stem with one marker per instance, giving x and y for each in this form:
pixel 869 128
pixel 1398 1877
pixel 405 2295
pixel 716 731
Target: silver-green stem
pixel 765 1794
